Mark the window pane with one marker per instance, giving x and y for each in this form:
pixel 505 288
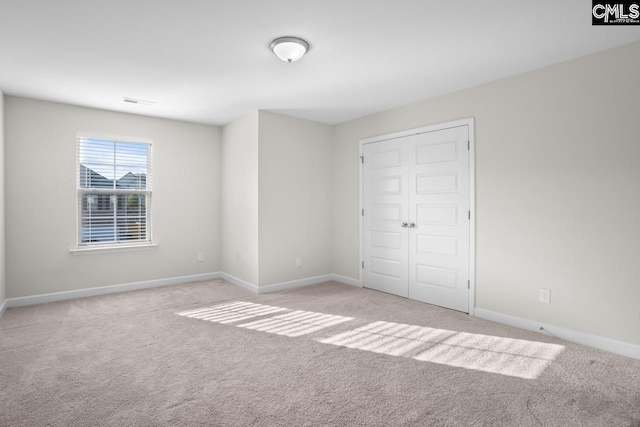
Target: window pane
pixel 97 162
pixel 133 154
pixel 132 229
pixel 132 205
pixel 129 179
pixel 95 151
pixel 132 221
pixel 97 221
pixel 113 218
pixel 89 178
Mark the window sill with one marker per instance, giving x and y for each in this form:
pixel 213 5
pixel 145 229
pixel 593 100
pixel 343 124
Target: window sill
pixel 108 249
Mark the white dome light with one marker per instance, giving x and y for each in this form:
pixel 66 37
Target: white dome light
pixel 289 49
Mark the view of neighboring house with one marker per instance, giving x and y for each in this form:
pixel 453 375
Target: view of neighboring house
pixel 112 217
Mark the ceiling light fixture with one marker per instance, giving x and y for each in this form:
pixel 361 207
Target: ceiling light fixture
pixel 138 101
pixel 289 49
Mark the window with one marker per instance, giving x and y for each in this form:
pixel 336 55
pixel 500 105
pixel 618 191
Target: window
pixel 114 191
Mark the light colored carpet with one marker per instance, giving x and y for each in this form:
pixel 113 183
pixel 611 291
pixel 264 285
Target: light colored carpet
pixel 212 354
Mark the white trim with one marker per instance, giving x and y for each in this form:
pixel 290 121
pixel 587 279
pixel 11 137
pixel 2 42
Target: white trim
pixel 91 250
pixel 110 137
pixel 346 280
pixel 111 289
pixel 239 282
pixel 361 207
pixel 295 284
pixel 602 343
pixel 3 307
pixel 416 131
pixel 290 284
pixel 470 122
pixel 472 222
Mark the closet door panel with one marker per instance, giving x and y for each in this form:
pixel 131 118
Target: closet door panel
pixel 385 209
pixel 439 208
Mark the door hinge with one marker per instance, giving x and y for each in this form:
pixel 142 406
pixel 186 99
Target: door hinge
pixel 469 215
pixel 362 264
pixel 361 159
pixel 468 145
pixel 468 284
pixel 362 212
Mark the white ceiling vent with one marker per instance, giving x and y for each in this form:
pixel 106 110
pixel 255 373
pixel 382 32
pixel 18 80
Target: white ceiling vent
pixel 138 101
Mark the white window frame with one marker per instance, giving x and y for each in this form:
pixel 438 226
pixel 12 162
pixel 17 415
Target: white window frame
pixel 106 247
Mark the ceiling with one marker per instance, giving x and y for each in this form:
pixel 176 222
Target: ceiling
pixel 208 61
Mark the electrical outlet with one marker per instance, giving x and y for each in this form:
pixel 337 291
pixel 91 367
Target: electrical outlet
pixel 545 295
pixel 200 257
pixel 298 262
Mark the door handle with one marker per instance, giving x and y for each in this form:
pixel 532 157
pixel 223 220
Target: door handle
pixel 412 225
pixel 403 225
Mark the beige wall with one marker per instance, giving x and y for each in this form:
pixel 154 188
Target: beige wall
pixel 3 281
pixel 294 198
pixel 41 202
pixel 240 198
pixel 557 182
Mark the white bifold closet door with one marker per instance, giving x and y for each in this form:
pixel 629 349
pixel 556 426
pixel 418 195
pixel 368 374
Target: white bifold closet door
pixel 386 201
pixel 416 233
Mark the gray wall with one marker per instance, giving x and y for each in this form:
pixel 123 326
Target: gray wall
pixel 294 198
pixel 3 279
pixel 557 183
pixel 41 203
pixel 240 198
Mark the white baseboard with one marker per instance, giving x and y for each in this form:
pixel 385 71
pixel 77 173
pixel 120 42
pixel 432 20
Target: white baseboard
pixel 294 284
pixel 346 280
pixel 103 290
pixel 602 343
pixel 239 282
pixel 289 285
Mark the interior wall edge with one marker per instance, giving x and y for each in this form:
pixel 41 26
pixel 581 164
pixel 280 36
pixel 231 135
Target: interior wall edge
pixel 346 280
pixel 292 284
pixel 294 202
pixel 3 249
pixel 239 282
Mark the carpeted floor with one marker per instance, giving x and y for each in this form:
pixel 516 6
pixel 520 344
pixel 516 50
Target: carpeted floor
pixel 325 355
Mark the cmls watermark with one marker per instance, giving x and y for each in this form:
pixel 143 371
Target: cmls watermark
pixel 615 13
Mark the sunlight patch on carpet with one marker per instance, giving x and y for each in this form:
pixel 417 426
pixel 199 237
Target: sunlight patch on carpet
pixel 486 353
pixel 232 312
pixel 296 323
pixel 499 355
